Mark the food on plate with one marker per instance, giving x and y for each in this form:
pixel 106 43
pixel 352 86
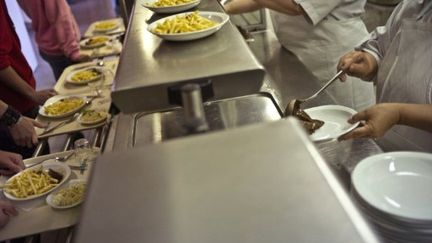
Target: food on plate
pixel 106 25
pixel 63 106
pixel 96 41
pixel 311 125
pixel 69 195
pixel 183 24
pixel 93 116
pixel 31 182
pixel 86 75
pixel 168 3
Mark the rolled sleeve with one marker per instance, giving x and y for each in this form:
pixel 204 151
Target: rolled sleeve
pixel 317 10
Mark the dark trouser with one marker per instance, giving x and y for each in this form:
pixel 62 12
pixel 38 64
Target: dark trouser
pixel 7 143
pixel 57 63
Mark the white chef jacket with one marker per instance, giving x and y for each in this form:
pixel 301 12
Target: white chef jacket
pixel 403 50
pixel 331 29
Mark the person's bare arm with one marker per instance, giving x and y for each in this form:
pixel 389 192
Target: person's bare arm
pixel 3 107
pixel 13 80
pixel 241 6
pixel 378 119
pixel 284 6
pixel 244 6
pixel 416 115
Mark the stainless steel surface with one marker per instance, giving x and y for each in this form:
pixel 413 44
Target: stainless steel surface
pixel 142 128
pixel 194 117
pixel 210 189
pixel 148 65
pixel 39 148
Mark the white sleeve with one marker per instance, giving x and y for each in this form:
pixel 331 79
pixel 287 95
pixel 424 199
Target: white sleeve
pixel 381 38
pixel 317 10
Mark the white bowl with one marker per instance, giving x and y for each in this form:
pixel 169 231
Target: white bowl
pixel 50 200
pixel 397 183
pixel 84 122
pixel 220 18
pixel 71 74
pixel 335 119
pixel 56 98
pixel 49 164
pixel 83 43
pixel 115 26
pixel 169 9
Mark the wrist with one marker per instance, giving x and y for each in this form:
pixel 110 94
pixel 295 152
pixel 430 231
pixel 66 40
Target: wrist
pixel 10 117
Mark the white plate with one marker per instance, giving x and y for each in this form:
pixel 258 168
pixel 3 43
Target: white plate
pixel 70 75
pixel 49 164
pixel 335 119
pixel 84 122
pixel 56 98
pixel 397 183
pixel 83 43
pixel 50 201
pixel 115 26
pixel 220 18
pixel 171 9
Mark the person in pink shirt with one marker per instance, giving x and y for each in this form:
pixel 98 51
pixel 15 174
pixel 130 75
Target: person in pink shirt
pixel 57 32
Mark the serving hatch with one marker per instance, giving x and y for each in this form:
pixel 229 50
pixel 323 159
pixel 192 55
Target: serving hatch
pixel 150 66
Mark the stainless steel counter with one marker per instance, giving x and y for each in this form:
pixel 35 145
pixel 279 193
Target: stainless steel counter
pixel 149 65
pixel 258 183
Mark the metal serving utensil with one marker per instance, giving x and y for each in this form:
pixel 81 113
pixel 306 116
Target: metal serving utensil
pixel 294 105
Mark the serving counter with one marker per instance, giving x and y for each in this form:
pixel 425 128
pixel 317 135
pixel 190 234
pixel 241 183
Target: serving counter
pixel 163 175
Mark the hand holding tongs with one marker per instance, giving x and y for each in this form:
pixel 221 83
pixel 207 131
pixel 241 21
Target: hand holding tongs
pixel 294 105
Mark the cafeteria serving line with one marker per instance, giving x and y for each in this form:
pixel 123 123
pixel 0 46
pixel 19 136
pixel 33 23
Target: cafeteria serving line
pixel 195 144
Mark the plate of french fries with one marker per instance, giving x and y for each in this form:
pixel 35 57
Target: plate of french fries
pixel 68 196
pixel 106 26
pixel 85 75
pixel 188 26
pixel 36 181
pixel 94 41
pixel 169 6
pixel 60 106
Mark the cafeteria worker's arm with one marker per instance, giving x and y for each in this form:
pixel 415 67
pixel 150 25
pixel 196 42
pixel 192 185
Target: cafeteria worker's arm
pixel 378 119
pixel 364 61
pixel 289 7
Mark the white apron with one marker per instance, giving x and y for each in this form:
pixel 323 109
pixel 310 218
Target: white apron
pixel 405 76
pixel 320 47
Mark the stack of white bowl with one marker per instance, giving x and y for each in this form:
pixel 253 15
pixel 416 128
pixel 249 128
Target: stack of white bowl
pixel 394 191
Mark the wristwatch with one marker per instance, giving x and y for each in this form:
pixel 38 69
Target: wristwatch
pixel 10 117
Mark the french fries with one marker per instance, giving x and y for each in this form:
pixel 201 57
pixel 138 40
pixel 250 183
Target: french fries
pixel 64 106
pixel 188 23
pixel 105 25
pixel 168 3
pixel 86 75
pixel 29 183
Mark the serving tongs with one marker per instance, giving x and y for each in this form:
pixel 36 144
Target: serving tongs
pixel 294 105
